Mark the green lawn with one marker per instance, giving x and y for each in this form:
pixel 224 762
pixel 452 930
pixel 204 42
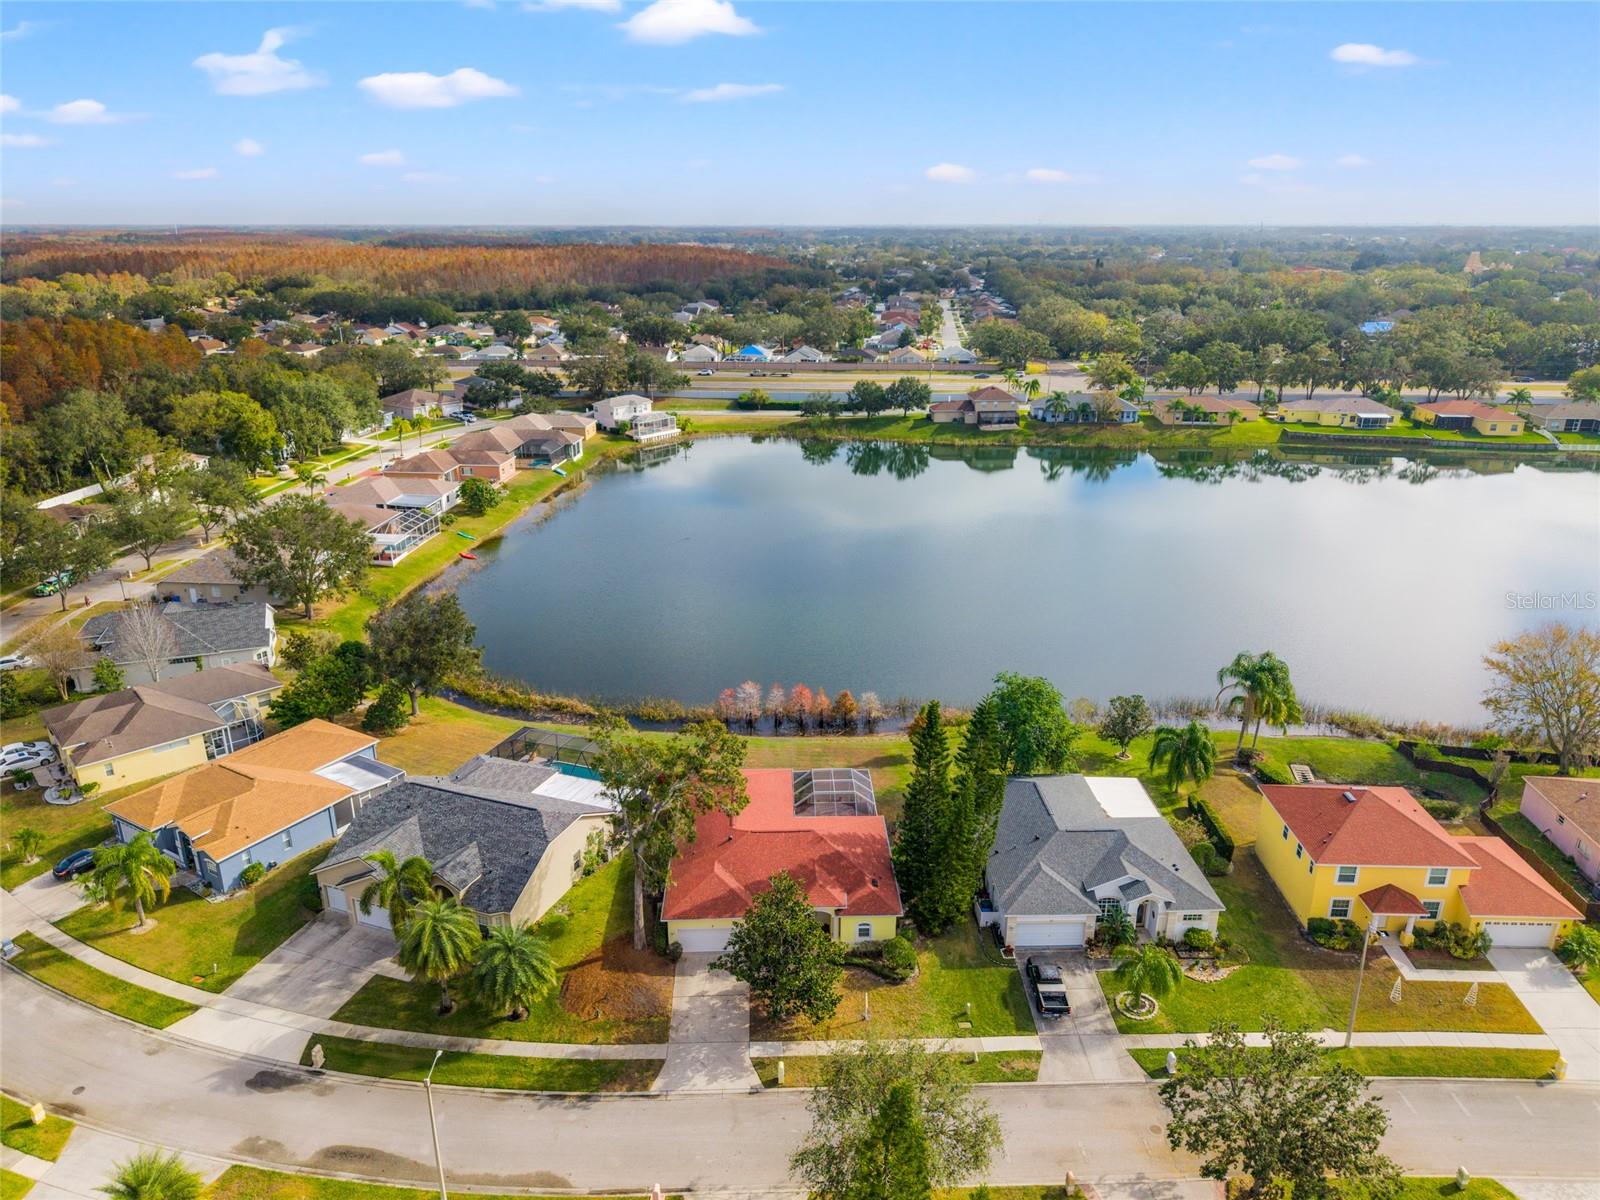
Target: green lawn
pixel 14 1186
pixel 963 988
pixel 196 941
pixel 609 992
pixel 486 1070
pixel 1406 429
pixel 1379 1061
pixel 18 1131
pixel 443 737
pixel 65 827
pixel 66 974
pixel 1505 811
pixel 1020 1066
pixel 252 1183
pixel 1309 987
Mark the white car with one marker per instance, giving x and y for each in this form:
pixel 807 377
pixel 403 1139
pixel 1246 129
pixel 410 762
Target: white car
pixel 14 662
pixel 26 756
pixel 705 372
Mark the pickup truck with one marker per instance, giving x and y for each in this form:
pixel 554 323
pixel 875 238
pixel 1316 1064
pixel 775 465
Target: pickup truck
pixel 1049 989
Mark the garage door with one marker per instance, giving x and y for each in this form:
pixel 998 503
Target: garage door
pixel 378 917
pixel 1513 934
pixel 704 941
pixel 1036 932
pixel 334 900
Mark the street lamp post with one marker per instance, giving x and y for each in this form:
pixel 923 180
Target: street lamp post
pixel 1355 1001
pixel 433 1124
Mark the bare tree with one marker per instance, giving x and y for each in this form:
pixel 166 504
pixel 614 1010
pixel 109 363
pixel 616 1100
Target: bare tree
pixel 59 652
pixel 145 636
pixel 1545 690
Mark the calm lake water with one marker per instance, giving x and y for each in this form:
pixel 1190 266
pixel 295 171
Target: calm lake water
pixel 893 569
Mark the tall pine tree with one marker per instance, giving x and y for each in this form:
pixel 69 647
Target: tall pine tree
pixel 892 1158
pixel 974 813
pixel 920 838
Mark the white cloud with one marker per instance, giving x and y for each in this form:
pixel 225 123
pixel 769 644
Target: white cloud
pixel 9 104
pixel 419 89
pixel 23 141
pixel 1048 175
pixel 21 30
pixel 673 22
pixel 427 177
pixel 1352 160
pixel 86 112
pixel 1276 162
pixel 383 158
pixel 249 148
pixel 730 91
pixel 606 6
pixel 951 173
pixel 197 173
pixel 1252 178
pixel 259 73
pixel 1365 54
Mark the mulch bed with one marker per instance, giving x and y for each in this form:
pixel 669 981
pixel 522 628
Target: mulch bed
pixel 620 984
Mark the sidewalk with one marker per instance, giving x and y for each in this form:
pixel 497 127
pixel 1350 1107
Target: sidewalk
pixel 1335 1038
pixel 87 1162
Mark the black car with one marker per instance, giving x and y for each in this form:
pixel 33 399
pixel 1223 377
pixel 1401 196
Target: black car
pixel 74 864
pixel 1049 989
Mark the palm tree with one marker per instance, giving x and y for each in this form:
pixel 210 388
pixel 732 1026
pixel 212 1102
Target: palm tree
pixel 1011 378
pixel 1148 970
pixel 399 886
pixel 28 842
pixel 1117 927
pixel 1031 387
pixel 513 969
pixel 1189 754
pixel 153 1175
pixel 138 868
pixel 1256 680
pixel 1058 402
pixel 437 943
pixel 1278 709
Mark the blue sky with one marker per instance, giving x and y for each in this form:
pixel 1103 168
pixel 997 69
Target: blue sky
pixel 728 111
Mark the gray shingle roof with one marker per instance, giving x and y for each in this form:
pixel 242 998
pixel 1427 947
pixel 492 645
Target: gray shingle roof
pixel 485 844
pixel 203 629
pixel 1055 844
pixel 501 774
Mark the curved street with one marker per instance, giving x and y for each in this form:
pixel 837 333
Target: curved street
pixel 157 1088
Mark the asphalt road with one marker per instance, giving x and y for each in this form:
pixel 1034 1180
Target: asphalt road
pixel 128 1080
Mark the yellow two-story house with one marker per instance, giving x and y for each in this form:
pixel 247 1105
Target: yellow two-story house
pixel 1374 856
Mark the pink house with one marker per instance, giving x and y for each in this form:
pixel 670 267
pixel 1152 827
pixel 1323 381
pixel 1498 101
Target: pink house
pixel 1567 811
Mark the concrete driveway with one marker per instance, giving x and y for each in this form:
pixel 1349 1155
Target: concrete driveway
pixel 1084 1047
pixel 319 968
pixel 1567 1013
pixel 48 897
pixel 709 1041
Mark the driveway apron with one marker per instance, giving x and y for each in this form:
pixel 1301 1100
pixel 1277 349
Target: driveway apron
pixel 709 1041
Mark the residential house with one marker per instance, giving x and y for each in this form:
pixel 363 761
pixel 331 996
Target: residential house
pixel 208 345
pixel 547 353
pixel 698 353
pixel 1567 811
pixel 751 353
pixel 263 804
pixel 394 533
pixel 410 404
pixel 908 355
pixel 404 491
pixel 495 352
pixel 1582 417
pixel 707 339
pixel 429 464
pixel 1204 410
pixel 303 349
pixel 205 635
pixel 653 427
pixel 1068 849
pixel 505 851
pixel 989 407
pixel 1349 412
pixel 371 337
pixel 572 422
pixel 498 467
pixel 532 439
pixel 701 307
pixel 140 733
pixel 1082 408
pixel 613 411
pixel 821 826
pixel 1469 414
pixel 804 354
pixel 955 354
pixel 1373 328
pixel 212 579
pixel 856 354
pixel 1374 856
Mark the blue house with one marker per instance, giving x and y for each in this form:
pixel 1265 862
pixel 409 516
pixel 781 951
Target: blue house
pixel 264 804
pixel 1080 408
pixel 752 353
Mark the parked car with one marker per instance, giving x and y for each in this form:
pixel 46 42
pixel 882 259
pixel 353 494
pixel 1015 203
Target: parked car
pixel 467 418
pixel 981 375
pixel 52 585
pixel 74 864
pixel 25 756
pixel 1049 989
pixel 1523 379
pixel 14 662
pixel 707 371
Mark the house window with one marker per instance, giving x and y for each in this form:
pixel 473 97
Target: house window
pixel 1348 874
pixel 1431 907
pixel 864 931
pixel 1560 820
pixel 111 769
pixel 1109 905
pixel 1437 876
pixel 1339 909
pixel 1286 833
pixel 1299 850
pixel 248 858
pixel 1193 917
pixel 288 839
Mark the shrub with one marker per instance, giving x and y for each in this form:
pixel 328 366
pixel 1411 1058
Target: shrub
pixel 478 496
pixel 389 712
pixel 1208 860
pixel 108 676
pixel 554 925
pixel 674 951
pixel 899 956
pixel 1426 751
pixel 1219 835
pixel 1199 939
pixel 253 874
pixel 310 894
pixel 1333 935
pixel 1269 772
pixel 302 647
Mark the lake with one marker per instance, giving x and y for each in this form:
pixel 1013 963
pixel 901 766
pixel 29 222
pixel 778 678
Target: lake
pixel 921 571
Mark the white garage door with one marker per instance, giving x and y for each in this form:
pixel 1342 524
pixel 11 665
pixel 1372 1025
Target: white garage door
pixel 378 917
pixel 1035 932
pixel 1512 934
pixel 334 900
pixel 704 941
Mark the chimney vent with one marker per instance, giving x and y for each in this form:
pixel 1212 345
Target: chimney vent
pixel 1349 797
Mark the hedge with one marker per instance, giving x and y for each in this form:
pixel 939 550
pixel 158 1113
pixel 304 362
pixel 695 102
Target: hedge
pixel 1219 835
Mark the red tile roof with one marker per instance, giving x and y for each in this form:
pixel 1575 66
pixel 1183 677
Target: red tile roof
pixel 1506 886
pixel 1391 901
pixel 1383 827
pixel 842 862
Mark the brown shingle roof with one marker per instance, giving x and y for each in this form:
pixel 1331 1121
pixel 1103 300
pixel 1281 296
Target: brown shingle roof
pixel 1576 799
pixel 1392 901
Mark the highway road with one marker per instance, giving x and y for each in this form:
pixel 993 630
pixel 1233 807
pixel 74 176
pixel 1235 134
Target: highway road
pixel 156 1088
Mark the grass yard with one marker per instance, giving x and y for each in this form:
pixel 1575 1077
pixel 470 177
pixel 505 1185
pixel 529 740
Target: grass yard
pixel 443 737
pixel 1020 1066
pixel 18 1131
pixel 252 1183
pixel 609 992
pixel 1524 832
pixel 14 1186
pixel 195 941
pixel 1309 987
pixel 66 974
pixel 1455 1062
pixel 486 1070
pixel 963 988
pixel 65 828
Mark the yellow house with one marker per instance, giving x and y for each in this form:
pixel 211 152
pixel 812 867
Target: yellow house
pixel 1374 856
pixel 1481 418
pixel 155 729
pixel 820 826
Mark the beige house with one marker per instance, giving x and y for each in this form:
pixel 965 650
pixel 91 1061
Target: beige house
pixel 212 579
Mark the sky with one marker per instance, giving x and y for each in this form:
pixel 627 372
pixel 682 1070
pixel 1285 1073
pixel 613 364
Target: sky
pixel 719 112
